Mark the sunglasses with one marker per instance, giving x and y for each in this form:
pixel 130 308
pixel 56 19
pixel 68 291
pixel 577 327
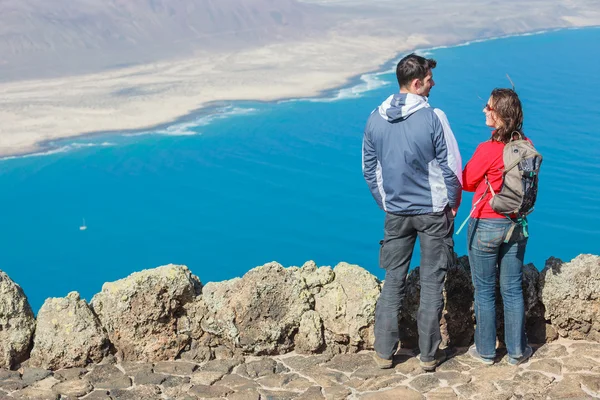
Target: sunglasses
pixel 488 108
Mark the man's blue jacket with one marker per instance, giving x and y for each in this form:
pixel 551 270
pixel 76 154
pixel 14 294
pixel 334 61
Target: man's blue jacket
pixel 411 160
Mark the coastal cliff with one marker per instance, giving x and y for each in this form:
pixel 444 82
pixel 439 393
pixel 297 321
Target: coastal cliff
pixel 166 317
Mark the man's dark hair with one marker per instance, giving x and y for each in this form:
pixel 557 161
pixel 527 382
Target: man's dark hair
pixel 413 67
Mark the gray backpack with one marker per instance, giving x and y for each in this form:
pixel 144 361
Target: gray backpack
pixel 517 196
pixel 520 179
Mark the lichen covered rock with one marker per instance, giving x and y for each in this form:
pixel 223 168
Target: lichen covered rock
pixel 259 313
pixel 162 314
pixel 140 313
pixel 347 307
pixel 203 344
pixel 310 335
pixel 17 323
pixel 314 276
pixel 67 335
pixel 571 296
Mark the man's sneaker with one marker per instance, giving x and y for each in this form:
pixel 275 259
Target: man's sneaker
pixel 382 363
pixel 429 366
pixel 526 354
pixel 475 354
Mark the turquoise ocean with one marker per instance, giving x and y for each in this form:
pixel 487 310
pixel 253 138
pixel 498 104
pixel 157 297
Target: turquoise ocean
pixel 244 183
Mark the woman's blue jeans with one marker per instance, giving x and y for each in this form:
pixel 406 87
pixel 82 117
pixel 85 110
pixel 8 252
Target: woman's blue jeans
pixel 489 253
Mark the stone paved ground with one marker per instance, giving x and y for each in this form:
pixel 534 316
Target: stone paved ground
pixel 560 370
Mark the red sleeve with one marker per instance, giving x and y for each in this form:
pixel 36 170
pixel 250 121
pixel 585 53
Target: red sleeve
pixel 476 168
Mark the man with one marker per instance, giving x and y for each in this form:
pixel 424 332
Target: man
pixel 412 165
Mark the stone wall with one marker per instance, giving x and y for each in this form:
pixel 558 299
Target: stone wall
pixel 166 313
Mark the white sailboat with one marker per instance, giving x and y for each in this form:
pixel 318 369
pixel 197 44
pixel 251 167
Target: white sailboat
pixel 83 227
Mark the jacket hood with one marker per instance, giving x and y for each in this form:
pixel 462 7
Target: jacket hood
pixel 400 105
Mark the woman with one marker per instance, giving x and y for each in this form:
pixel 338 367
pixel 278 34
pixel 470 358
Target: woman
pixel 492 243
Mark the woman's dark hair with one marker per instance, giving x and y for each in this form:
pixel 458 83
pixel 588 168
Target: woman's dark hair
pixel 507 108
pixel 413 67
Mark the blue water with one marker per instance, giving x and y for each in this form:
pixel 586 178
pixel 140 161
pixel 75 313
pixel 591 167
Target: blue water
pixel 283 181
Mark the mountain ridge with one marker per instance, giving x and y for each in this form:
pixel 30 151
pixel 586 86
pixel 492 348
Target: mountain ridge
pixel 88 35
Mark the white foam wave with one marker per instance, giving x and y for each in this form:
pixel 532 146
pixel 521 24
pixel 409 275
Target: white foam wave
pixel 489 39
pixel 62 149
pixel 187 128
pixel 369 82
pixel 424 53
pixel 223 113
pixel 178 130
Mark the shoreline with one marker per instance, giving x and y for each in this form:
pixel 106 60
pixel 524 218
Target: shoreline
pixel 209 108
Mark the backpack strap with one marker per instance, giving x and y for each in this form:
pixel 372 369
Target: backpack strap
pixel 489 186
pixel 521 220
pixel 510 232
pixel 474 207
pixel 525 226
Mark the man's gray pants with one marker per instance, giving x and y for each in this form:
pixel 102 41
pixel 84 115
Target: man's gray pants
pixel 435 235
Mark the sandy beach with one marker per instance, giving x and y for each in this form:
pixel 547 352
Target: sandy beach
pixel 36 112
